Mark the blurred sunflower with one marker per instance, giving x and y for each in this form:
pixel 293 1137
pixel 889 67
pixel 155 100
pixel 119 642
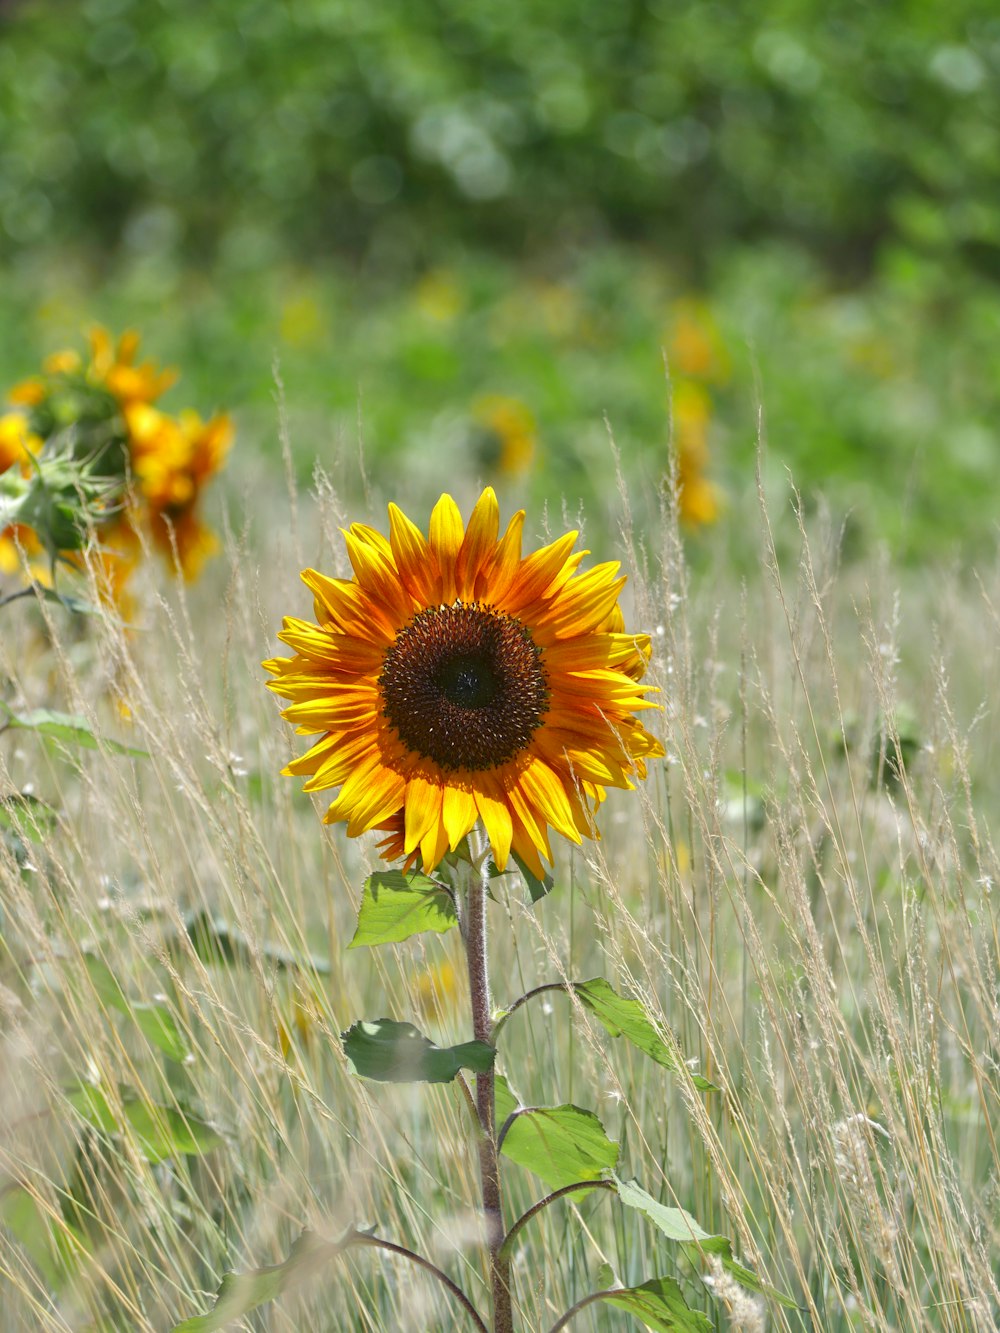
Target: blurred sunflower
pixel 698 498
pixel 454 680
pixel 172 459
pixel 504 441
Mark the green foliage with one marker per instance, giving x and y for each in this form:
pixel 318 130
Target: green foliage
pixel 155 1020
pixel 242 1292
pixel 66 729
pixel 217 942
pixel 250 131
pixel 159 1131
pixel 394 1052
pixel 676 1224
pixel 659 1304
pixel 53 1247
pixel 395 906
pixel 626 1018
pixel 562 1145
pixel 26 816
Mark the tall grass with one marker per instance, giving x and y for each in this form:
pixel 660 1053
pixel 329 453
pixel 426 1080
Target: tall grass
pixel 805 897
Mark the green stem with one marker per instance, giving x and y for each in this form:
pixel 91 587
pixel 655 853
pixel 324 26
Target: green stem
pixel 574 1310
pixel 538 990
pixel 482 1027
pixel 375 1243
pixel 525 1218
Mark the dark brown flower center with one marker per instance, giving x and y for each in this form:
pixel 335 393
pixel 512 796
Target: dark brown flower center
pixel 464 685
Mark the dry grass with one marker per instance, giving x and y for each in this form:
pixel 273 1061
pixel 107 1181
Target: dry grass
pixel 817 927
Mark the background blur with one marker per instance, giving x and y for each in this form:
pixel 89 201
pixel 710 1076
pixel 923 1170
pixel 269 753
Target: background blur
pixel 468 234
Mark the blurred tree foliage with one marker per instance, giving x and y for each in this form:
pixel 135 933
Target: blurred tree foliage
pixel 249 130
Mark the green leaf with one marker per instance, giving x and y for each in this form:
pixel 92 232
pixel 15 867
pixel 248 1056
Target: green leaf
pixel 27 816
pixel 217 942
pixel 240 1293
pixel 68 729
pixel 659 1304
pixel 394 1052
pixel 161 1131
pixel 621 1017
pixel 537 888
pixel 168 1131
pixel 155 1020
pixel 159 1025
pixel 562 1145
pixel 678 1225
pixel 395 906
pixel 52 1245
pixel 92 1104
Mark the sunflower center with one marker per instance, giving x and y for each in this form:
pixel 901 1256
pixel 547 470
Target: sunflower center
pixel 464 686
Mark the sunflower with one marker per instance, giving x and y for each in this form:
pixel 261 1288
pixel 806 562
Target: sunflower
pixel 453 680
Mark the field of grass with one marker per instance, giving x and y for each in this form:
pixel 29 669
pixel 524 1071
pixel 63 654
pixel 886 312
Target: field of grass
pixel 803 895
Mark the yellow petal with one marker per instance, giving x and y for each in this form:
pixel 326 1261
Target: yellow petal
pixel 423 808
pixel 495 815
pixel 446 533
pixel 433 846
pixel 458 811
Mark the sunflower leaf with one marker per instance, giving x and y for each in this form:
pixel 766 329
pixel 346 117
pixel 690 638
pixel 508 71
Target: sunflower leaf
pixel 659 1304
pixel 393 1052
pixel 53 1245
pixel 155 1020
pixel 215 941
pixel 678 1225
pixel 239 1293
pixel 537 888
pixel 67 729
pixel 27 816
pixel 562 1145
pixel 622 1017
pixel 395 906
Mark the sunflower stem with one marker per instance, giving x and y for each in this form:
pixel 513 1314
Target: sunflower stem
pixel 482 1026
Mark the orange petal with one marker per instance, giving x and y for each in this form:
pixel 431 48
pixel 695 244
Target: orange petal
pixel 547 794
pixel 499 571
pixel 479 542
pixel 414 558
pixel 537 572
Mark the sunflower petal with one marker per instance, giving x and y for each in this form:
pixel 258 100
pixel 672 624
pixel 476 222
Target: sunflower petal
pixel 414 559
pixel 478 544
pixel 536 574
pixel 458 811
pixel 548 795
pixel 423 807
pixel 446 533
pixel 495 815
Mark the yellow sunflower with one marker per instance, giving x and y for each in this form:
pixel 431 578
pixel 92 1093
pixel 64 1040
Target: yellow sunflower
pixel 454 680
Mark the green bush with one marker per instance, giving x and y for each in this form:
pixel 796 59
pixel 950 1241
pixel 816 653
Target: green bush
pixel 251 128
